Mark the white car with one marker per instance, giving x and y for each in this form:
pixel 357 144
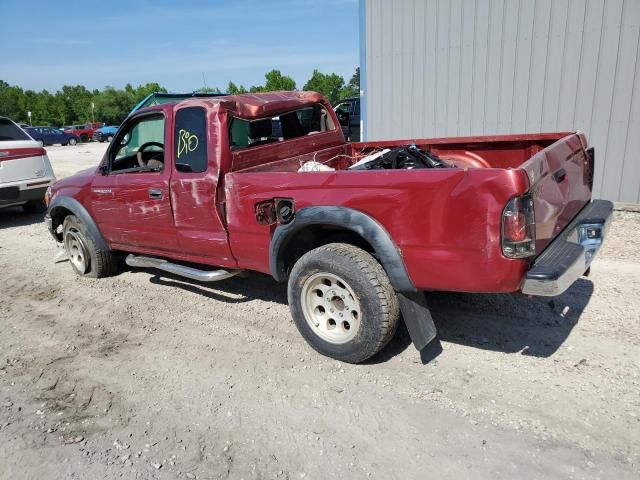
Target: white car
pixel 25 170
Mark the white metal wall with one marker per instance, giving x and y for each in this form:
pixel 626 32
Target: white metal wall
pixel 472 67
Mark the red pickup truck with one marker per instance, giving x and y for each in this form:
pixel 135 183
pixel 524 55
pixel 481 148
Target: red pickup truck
pixel 84 132
pixel 207 188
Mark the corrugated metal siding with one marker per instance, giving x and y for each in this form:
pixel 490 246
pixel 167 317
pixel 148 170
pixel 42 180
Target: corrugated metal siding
pixel 472 67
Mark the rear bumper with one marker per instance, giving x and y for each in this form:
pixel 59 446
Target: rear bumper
pixel 571 253
pixel 15 195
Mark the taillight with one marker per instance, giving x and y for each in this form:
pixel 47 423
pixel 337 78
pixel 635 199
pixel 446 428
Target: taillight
pixel 518 228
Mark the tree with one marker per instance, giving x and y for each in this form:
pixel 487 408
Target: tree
pixel 208 90
pixel 275 81
pixel 233 89
pixel 352 89
pixel 329 85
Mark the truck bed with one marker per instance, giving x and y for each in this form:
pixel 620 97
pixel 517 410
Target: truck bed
pixel 449 219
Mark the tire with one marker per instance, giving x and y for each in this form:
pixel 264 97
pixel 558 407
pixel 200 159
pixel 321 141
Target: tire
pixel 72 142
pixel 354 289
pixel 86 259
pixel 84 138
pixel 34 206
pixel 110 138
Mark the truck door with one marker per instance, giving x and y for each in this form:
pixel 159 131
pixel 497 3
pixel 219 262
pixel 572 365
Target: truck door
pixel 194 184
pixel 130 200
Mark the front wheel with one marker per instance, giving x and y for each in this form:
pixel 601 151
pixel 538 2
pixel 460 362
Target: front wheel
pixel 84 138
pixel 86 258
pixel 342 302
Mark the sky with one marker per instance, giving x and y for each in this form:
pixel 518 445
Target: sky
pixel 45 44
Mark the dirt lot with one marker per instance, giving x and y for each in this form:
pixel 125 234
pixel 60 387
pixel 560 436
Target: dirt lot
pixel 148 376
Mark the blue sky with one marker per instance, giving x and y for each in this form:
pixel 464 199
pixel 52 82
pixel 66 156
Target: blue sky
pixel 48 44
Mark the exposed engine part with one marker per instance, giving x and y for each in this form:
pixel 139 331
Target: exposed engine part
pixel 180 270
pixel 400 158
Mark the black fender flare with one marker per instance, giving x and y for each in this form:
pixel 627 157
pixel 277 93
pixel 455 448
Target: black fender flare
pixel 75 207
pixel 362 224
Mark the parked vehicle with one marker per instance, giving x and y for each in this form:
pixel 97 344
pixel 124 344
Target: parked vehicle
pixel 84 132
pixel 348 112
pixel 51 136
pixel 358 230
pixel 25 170
pixel 105 134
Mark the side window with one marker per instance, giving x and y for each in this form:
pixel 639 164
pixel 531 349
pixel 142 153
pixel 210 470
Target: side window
pixel 139 147
pixel 298 123
pixel 191 140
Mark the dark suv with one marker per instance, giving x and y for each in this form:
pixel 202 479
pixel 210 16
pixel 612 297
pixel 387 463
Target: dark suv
pixel 348 112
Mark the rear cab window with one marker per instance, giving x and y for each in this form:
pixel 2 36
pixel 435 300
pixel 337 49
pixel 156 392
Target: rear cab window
pixel 191 140
pixel 9 131
pixel 309 120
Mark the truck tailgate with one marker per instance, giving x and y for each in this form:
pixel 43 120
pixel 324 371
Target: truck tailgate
pixel 560 178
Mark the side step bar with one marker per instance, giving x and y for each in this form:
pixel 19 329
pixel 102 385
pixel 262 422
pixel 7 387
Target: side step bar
pixel 180 270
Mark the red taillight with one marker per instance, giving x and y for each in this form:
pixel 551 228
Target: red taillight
pixel 16 153
pixel 515 227
pixel 518 228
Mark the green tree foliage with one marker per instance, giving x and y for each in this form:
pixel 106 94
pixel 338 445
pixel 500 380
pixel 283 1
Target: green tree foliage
pixel 233 89
pixel 208 90
pixel 72 103
pixel 330 85
pixel 352 89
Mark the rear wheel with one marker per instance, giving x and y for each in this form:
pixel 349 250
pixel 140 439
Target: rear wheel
pixel 84 138
pixel 86 258
pixel 109 138
pixel 342 302
pixel 72 141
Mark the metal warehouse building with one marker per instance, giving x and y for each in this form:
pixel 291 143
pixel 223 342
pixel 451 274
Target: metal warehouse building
pixel 432 68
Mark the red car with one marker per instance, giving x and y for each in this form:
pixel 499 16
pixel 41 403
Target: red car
pixel 84 132
pixel 206 188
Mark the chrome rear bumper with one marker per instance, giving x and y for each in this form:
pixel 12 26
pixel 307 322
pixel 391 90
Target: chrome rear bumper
pixel 571 253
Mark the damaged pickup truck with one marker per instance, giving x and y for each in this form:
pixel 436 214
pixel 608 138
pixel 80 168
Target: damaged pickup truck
pixel 207 188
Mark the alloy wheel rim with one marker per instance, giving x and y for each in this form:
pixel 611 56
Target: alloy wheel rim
pixel 76 250
pixel 331 308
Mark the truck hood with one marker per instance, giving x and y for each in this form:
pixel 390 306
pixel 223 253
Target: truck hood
pixel 77 180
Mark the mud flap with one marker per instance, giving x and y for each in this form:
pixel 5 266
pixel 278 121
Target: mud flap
pixel 417 318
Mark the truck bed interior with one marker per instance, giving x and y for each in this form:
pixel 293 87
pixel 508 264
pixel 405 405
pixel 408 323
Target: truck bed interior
pixel 502 151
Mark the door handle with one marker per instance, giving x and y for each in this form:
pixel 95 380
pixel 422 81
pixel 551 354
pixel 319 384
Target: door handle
pixel 155 193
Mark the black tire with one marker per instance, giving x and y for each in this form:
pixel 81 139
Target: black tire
pixel 72 142
pixel 110 138
pixel 98 263
pixel 34 206
pixel 367 279
pixel 84 138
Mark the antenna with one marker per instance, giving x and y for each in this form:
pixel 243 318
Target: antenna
pixel 204 81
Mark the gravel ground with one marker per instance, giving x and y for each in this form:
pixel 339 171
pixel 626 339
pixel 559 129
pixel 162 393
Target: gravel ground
pixel 144 375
